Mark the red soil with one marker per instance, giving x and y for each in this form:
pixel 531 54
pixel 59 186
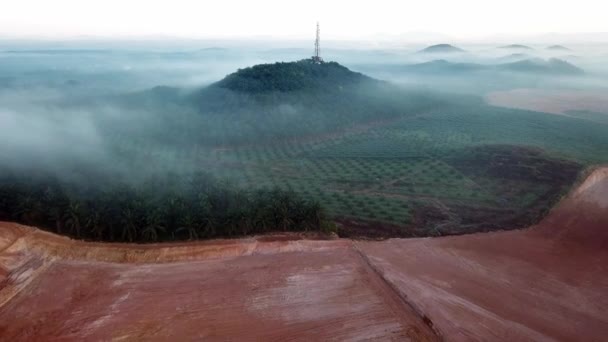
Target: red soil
pixel 55 288
pixel 548 282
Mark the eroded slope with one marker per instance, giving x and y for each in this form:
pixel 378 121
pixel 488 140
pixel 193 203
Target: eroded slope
pixel 240 290
pixel 549 282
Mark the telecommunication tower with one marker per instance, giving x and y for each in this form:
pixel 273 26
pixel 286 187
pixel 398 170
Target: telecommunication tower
pixel 317 56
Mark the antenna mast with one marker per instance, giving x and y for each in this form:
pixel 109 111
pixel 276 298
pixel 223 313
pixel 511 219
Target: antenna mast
pixel 317 57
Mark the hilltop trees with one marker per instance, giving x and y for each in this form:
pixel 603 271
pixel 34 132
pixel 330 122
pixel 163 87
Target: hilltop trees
pixel 162 209
pixel 272 102
pixel 292 76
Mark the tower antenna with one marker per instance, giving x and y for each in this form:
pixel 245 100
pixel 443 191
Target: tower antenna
pixel 317 56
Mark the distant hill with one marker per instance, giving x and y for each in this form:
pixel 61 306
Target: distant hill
pixel 213 48
pixel 514 57
pixel 516 47
pixel 442 67
pixel 441 48
pixel 569 58
pixel 558 48
pixel 552 66
pixel 292 76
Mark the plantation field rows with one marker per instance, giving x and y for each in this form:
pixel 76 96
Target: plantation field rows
pixel 510 166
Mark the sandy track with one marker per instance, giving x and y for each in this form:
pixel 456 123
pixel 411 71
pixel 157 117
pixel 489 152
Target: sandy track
pixel 549 282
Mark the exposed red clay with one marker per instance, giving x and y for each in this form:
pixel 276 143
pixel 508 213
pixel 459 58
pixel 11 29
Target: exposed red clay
pixel 249 289
pixel 549 282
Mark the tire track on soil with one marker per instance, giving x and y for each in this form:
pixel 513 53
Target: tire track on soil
pixel 399 304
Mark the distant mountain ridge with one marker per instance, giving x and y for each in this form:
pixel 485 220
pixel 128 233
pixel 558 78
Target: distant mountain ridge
pixel 558 48
pixel 552 66
pixel 516 47
pixel 515 57
pixel 442 65
pixel 441 48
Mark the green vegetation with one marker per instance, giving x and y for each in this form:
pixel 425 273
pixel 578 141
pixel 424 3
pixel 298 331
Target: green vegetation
pixel 274 102
pixel 292 76
pixel 269 103
pixel 405 162
pixel 433 172
pixel 168 208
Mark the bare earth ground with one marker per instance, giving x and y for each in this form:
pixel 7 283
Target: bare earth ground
pixel 549 282
pixel 551 101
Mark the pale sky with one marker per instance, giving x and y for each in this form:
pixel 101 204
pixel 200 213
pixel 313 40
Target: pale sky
pixel 354 19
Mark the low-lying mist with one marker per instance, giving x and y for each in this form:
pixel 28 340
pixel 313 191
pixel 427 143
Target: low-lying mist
pixel 59 105
pixel 376 124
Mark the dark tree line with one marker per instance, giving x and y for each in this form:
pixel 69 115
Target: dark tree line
pixel 166 208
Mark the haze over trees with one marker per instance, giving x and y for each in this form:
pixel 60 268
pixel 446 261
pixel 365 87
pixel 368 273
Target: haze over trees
pixel 277 101
pixel 516 47
pixel 310 143
pixel 558 48
pixel 168 208
pixel 441 48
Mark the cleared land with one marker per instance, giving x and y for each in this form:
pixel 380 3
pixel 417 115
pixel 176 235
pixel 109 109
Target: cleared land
pixel 231 290
pixel 548 282
pixel 551 101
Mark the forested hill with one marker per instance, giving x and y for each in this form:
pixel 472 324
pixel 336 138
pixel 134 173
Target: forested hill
pixel 295 99
pixel 292 76
pixel 272 101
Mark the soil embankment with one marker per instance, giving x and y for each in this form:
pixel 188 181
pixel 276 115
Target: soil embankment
pixel 545 283
pixel 549 282
pixel 251 289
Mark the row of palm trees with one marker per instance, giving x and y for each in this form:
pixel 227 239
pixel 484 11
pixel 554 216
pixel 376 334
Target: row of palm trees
pixel 162 209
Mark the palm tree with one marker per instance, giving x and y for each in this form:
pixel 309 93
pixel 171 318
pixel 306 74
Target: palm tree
pixel 245 223
pixel 188 225
pixel 151 232
pixel 283 215
pixel 56 215
pixel 231 222
pixel 130 227
pixel 173 210
pixel 154 226
pixel 313 216
pixel 27 209
pixel 95 225
pixel 73 218
pixel 55 203
pixel 261 219
pixel 210 225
